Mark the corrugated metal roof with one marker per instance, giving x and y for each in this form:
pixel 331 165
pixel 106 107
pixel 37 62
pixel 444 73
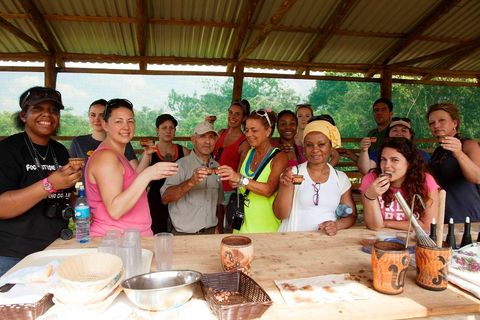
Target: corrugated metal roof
pixel 208 30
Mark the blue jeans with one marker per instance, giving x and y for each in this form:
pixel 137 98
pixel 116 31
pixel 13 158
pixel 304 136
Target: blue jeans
pixel 6 263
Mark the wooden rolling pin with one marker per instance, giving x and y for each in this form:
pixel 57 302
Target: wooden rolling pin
pixel 441 216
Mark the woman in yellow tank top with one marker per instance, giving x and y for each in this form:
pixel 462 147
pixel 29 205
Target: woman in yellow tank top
pixel 259 216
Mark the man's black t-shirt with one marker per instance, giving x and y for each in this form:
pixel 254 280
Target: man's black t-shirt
pixel 31 231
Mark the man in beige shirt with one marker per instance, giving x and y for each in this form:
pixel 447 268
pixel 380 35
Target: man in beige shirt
pixel 194 195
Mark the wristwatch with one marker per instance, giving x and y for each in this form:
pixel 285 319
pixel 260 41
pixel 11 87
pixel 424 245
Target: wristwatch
pixel 47 186
pixel 244 181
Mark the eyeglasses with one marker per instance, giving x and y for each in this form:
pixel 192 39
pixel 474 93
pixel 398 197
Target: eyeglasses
pixel 316 188
pixel 113 103
pixel 263 113
pixel 401 119
pixel 218 154
pixel 39 93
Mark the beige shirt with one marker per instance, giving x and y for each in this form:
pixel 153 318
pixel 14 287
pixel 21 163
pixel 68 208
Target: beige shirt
pixel 197 208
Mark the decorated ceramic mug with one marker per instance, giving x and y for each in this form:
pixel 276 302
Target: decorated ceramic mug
pixel 236 253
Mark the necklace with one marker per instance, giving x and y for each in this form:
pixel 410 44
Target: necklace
pixel 38 152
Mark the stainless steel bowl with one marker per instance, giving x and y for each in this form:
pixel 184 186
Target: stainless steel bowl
pixel 161 290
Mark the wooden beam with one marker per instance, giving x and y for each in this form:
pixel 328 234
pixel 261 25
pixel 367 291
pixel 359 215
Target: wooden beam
pixel 238 82
pixel 142 30
pixel 274 20
pixel 41 26
pixel 439 54
pixel 50 75
pixel 20 34
pixel 433 16
pixel 386 84
pixel 325 33
pixel 454 59
pixel 241 32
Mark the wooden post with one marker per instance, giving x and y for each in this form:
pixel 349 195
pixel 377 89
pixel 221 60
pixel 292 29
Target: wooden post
pixel 386 84
pixel 50 73
pixel 238 82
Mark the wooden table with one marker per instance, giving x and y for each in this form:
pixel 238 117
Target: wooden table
pixel 281 256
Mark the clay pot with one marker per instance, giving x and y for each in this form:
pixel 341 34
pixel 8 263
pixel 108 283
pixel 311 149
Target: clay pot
pixel 432 267
pixel 236 253
pixel 390 261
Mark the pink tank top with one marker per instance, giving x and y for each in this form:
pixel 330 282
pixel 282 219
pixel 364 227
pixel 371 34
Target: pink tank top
pixel 137 217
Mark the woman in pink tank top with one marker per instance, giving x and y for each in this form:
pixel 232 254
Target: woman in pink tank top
pixel 116 192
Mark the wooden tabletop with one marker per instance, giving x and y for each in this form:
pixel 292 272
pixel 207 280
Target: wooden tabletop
pixel 283 256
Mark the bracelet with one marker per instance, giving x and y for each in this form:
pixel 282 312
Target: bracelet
pixel 371 199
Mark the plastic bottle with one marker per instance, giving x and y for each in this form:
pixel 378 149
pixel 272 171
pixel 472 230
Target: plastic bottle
pixel 82 217
pixel 343 210
pixel 467 237
pixel 451 234
pixel 433 230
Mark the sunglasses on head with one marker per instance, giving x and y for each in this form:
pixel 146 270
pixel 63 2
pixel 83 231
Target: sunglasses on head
pixel 113 103
pixel 41 93
pixel 263 113
pixel 401 119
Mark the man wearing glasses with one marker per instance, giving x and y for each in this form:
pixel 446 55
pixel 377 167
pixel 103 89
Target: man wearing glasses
pixel 194 196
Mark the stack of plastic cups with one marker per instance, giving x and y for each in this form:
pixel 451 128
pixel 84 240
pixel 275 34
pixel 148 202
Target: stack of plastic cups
pixel 132 241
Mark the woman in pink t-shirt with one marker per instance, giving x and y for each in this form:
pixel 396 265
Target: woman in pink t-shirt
pixel 400 168
pixel 115 191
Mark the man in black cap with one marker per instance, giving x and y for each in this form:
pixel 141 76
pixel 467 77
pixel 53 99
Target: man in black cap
pixel 36 180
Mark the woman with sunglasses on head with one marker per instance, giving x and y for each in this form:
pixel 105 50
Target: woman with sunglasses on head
pixel 399 127
pixel 83 146
pixel 259 215
pixel 455 163
pixel 311 205
pixel 232 144
pixel 400 167
pixel 166 150
pixel 287 124
pixel 116 192
pixel 36 181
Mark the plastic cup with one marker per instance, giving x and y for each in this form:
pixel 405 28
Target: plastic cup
pixel 108 246
pixel 133 236
pixel 163 247
pixel 126 252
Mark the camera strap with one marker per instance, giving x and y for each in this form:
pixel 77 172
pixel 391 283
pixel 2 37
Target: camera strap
pixel 257 174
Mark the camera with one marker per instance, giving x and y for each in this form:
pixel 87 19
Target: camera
pixel 63 211
pixel 237 220
pixel 59 210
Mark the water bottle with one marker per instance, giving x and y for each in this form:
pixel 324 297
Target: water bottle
pixel 82 217
pixel 343 210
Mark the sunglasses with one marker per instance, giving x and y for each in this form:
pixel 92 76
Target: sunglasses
pixel 316 188
pixel 401 119
pixel 41 93
pixel 115 103
pixel 263 113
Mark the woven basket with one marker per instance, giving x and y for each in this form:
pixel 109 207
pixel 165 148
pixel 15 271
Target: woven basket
pixel 256 299
pixel 27 311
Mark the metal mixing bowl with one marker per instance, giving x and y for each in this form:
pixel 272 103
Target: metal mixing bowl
pixel 161 290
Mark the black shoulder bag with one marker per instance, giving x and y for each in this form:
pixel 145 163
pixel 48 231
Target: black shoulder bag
pixel 236 205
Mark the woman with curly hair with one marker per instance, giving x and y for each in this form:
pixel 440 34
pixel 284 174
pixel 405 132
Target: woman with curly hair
pixel 401 168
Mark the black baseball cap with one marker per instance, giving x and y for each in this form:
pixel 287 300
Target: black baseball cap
pixel 164 117
pixel 36 95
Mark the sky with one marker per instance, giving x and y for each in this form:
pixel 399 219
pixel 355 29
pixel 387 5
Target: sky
pixel 79 90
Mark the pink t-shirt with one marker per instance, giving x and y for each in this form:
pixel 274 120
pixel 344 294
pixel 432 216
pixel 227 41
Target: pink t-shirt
pixel 137 217
pixel 394 211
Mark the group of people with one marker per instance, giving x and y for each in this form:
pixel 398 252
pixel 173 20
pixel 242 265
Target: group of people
pixel 286 184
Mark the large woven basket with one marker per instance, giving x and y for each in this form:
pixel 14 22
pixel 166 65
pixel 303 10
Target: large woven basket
pixel 256 300
pixel 27 311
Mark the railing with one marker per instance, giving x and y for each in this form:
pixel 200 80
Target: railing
pixel 345 164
